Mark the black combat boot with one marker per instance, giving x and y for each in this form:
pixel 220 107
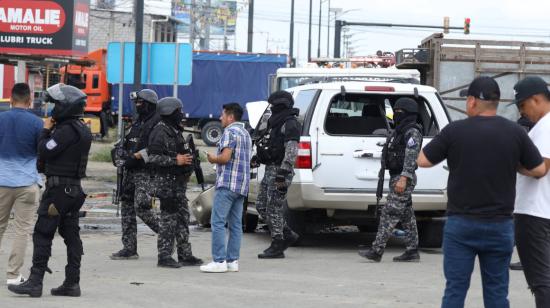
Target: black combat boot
pixel 124 254
pixel 275 251
pixel 291 238
pixel 67 289
pixel 32 287
pixel 370 254
pixel 168 262
pixel 270 248
pixel 189 261
pixel 408 256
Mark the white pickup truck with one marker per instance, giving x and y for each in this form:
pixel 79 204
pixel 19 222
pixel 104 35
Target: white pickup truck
pixel 344 127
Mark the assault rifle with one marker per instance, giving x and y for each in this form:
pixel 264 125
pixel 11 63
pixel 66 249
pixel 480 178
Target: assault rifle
pixel 119 157
pixel 381 173
pixel 196 160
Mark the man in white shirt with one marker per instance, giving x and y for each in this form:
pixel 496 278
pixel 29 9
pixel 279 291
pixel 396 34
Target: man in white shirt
pixel 532 206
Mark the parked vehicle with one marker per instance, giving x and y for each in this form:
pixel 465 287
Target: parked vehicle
pixel 218 78
pixel 89 75
pixel 449 65
pixel 344 129
pixel 293 77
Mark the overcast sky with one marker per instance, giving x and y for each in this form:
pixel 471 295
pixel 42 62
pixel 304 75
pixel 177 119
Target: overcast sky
pixel 526 20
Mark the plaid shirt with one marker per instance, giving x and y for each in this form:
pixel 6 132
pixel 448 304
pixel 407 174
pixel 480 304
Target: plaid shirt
pixel 235 175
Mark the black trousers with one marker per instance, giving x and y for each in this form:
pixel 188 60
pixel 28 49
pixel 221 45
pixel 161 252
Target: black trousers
pixel 67 199
pixel 533 244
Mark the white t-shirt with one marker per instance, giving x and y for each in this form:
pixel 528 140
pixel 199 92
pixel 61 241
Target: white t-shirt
pixel 532 195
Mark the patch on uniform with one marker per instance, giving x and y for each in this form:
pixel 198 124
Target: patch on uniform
pixel 50 145
pixel 411 143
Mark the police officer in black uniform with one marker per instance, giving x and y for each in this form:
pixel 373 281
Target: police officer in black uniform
pixel 277 148
pixel 63 151
pixel 170 157
pixel 136 176
pixel 401 154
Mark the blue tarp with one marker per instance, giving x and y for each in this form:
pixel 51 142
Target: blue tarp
pixel 217 79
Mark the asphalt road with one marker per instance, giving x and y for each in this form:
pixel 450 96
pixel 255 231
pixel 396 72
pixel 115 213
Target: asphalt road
pixel 325 272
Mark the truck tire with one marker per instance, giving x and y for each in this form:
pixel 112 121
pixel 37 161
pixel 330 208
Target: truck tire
pixel 430 233
pixel 211 133
pixel 295 220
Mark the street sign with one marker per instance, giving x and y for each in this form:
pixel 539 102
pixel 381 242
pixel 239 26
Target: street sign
pixel 162 63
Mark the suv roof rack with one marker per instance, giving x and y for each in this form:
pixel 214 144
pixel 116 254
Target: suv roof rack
pixel 358 78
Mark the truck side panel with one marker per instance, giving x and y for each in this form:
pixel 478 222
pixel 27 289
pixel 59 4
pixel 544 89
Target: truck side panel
pixel 215 82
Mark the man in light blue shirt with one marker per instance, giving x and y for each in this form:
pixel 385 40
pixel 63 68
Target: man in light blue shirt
pixel 19 179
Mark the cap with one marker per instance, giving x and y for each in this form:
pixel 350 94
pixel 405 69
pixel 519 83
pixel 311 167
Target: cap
pixel 484 87
pixel 528 87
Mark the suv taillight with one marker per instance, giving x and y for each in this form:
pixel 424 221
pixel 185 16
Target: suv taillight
pixel 303 160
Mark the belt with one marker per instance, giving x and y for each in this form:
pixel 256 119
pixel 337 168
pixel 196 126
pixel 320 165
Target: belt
pixel 53 181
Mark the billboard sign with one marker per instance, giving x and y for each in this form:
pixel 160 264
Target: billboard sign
pixel 44 27
pixel 221 15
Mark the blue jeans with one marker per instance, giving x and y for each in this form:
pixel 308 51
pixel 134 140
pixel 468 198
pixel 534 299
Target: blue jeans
pixel 493 243
pixel 228 207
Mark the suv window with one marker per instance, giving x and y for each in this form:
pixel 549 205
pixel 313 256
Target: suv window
pixel 303 101
pixel 371 114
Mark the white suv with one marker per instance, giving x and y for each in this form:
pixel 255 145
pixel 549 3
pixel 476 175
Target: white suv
pixel 344 127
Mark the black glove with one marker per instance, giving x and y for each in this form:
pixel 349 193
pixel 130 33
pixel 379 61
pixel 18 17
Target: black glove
pixel 280 178
pixel 132 162
pixel 254 163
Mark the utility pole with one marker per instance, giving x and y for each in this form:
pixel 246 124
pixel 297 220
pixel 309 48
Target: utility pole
pixel 319 41
pixel 291 43
pixel 193 20
pixel 250 25
pixel 138 11
pixel 309 35
pixel 328 30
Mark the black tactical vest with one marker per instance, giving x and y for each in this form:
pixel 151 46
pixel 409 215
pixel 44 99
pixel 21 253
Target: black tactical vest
pixel 138 137
pixel 270 147
pixel 395 157
pixel 73 160
pixel 176 145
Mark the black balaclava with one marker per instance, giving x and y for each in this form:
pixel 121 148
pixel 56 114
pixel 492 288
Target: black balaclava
pixel 175 119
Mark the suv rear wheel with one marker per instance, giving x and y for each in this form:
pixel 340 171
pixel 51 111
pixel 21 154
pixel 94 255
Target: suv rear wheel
pixel 295 220
pixel 430 233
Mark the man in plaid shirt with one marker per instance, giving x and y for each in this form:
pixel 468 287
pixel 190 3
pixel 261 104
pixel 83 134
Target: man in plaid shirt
pixel 233 176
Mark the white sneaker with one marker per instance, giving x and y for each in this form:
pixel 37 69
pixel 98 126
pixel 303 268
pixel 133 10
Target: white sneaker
pixel 233 266
pixel 16 281
pixel 214 267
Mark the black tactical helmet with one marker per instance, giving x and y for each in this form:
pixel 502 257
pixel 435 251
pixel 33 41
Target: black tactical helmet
pixel 166 106
pixel 406 104
pixel 147 95
pixel 281 98
pixel 69 101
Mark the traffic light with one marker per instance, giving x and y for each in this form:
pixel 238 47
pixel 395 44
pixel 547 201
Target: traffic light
pixel 467 26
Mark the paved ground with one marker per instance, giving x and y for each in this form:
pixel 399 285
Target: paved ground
pixel 325 272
